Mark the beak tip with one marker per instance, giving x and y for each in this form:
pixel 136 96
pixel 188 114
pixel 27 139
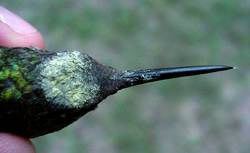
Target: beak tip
pixel 224 67
pixel 235 67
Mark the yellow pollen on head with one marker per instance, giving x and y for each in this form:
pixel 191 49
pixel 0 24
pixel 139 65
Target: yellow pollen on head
pixel 66 79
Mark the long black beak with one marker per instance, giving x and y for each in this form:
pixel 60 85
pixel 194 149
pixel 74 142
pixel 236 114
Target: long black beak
pixel 132 78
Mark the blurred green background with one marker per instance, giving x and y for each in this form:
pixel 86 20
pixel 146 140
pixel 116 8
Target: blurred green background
pixel 209 113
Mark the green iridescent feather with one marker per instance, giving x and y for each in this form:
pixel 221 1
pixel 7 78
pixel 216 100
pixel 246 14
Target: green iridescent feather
pixel 14 74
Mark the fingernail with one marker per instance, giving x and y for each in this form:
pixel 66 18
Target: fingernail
pixel 16 23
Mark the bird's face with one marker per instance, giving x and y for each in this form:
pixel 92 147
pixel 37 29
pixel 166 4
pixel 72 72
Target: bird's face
pixel 67 79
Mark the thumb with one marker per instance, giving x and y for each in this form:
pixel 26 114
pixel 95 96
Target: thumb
pixel 15 32
pixel 13 144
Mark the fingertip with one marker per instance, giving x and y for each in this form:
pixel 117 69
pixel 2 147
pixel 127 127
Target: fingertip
pixel 29 40
pixel 16 32
pixel 10 143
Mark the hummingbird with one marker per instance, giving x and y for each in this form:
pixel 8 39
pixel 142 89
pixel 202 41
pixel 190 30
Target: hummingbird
pixel 44 91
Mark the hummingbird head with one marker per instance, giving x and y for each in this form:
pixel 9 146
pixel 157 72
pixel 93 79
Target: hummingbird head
pixel 65 85
pixel 75 80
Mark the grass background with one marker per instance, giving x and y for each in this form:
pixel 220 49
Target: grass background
pixel 209 113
